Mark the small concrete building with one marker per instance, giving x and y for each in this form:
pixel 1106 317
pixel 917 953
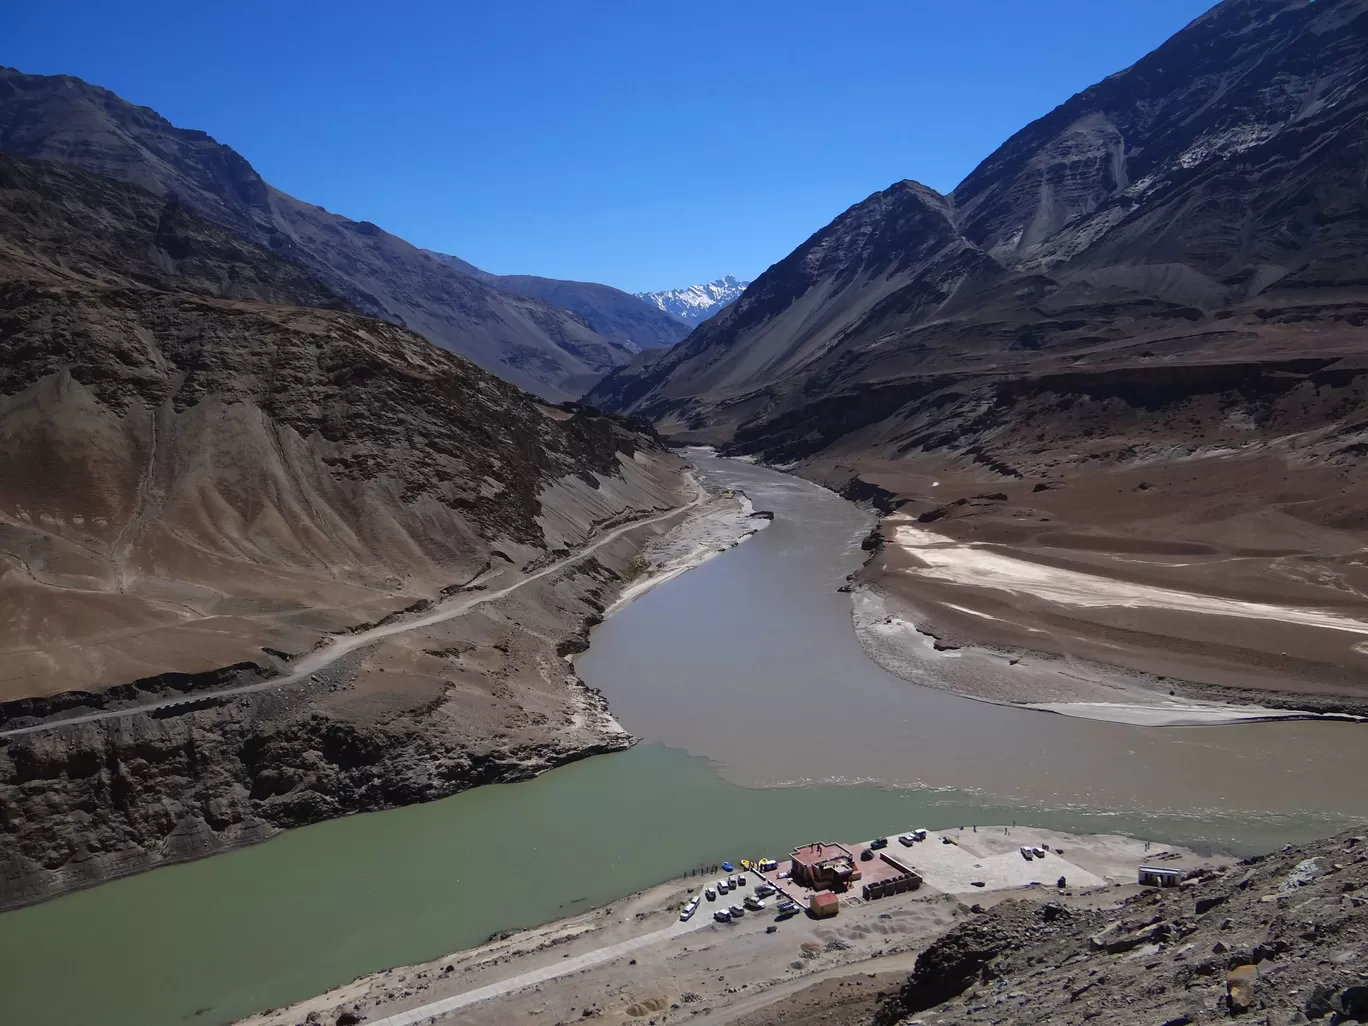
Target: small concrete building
pixel 1159 876
pixel 824 866
pixel 824 904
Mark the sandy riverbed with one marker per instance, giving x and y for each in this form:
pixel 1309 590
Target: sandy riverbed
pixel 1088 635
pixel 635 960
pixel 902 641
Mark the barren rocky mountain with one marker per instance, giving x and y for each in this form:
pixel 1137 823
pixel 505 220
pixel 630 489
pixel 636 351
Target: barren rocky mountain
pixel 1130 344
pixel 537 346
pixel 610 312
pixel 212 466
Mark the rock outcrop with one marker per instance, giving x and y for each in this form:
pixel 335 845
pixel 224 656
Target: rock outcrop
pixel 1278 946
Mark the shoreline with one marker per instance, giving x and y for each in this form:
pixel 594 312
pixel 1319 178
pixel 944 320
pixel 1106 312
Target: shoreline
pixel 635 958
pixel 1026 679
pixel 585 727
pixel 720 524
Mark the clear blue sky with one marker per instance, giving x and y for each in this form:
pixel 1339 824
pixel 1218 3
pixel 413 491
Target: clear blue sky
pixel 642 143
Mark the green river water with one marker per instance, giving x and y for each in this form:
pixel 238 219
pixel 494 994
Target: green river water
pixel 749 661
pixel 208 942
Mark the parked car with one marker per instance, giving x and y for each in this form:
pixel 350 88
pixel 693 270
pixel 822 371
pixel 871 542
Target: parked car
pixel 919 834
pixel 867 855
pixel 755 904
pixel 907 840
pixel 737 911
pixel 764 890
pixel 686 913
pixel 1027 853
pixel 722 915
pixel 1039 852
pixel 722 887
pixel 878 842
pixel 786 908
pixel 710 893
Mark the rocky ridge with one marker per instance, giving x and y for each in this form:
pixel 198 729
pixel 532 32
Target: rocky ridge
pixel 542 348
pixel 1103 242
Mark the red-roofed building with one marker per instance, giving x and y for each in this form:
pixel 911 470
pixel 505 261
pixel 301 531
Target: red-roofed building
pixel 824 865
pixel 824 904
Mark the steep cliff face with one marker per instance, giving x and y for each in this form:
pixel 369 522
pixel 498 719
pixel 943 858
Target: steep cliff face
pixel 539 347
pixel 201 481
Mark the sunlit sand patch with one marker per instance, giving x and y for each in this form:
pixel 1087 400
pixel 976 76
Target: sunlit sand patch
pixel 944 559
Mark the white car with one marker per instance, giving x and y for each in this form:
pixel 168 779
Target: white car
pixel 710 893
pixel 722 887
pixel 686 913
pixel 907 840
pixel 722 915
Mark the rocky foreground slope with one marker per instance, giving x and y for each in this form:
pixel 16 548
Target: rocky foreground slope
pixel 543 348
pixel 1280 939
pixel 210 465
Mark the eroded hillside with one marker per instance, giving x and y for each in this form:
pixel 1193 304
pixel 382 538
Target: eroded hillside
pixel 206 474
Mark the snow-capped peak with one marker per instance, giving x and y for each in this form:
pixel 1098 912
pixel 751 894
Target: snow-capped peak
pixel 696 302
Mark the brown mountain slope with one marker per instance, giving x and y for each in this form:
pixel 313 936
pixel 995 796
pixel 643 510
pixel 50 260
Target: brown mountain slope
pixel 1150 301
pixel 539 347
pixel 199 485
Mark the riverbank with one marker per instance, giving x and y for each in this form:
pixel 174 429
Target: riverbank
pixel 723 521
pixel 463 688
pixel 636 958
pixel 900 640
pixel 1103 593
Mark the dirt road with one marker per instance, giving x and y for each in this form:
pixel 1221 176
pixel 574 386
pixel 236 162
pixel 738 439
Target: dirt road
pixel 341 645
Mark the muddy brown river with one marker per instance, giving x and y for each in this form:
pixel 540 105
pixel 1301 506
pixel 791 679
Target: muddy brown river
pixel 751 661
pixel 765 725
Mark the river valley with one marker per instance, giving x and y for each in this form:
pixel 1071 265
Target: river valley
pixel 764 724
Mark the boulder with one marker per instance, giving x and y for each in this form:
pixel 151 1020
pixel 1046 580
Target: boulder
pixel 1206 904
pixel 1240 983
pixel 1354 1003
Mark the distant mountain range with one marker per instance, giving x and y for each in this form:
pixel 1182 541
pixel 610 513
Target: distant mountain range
pixel 506 325
pixel 611 312
pixel 696 303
